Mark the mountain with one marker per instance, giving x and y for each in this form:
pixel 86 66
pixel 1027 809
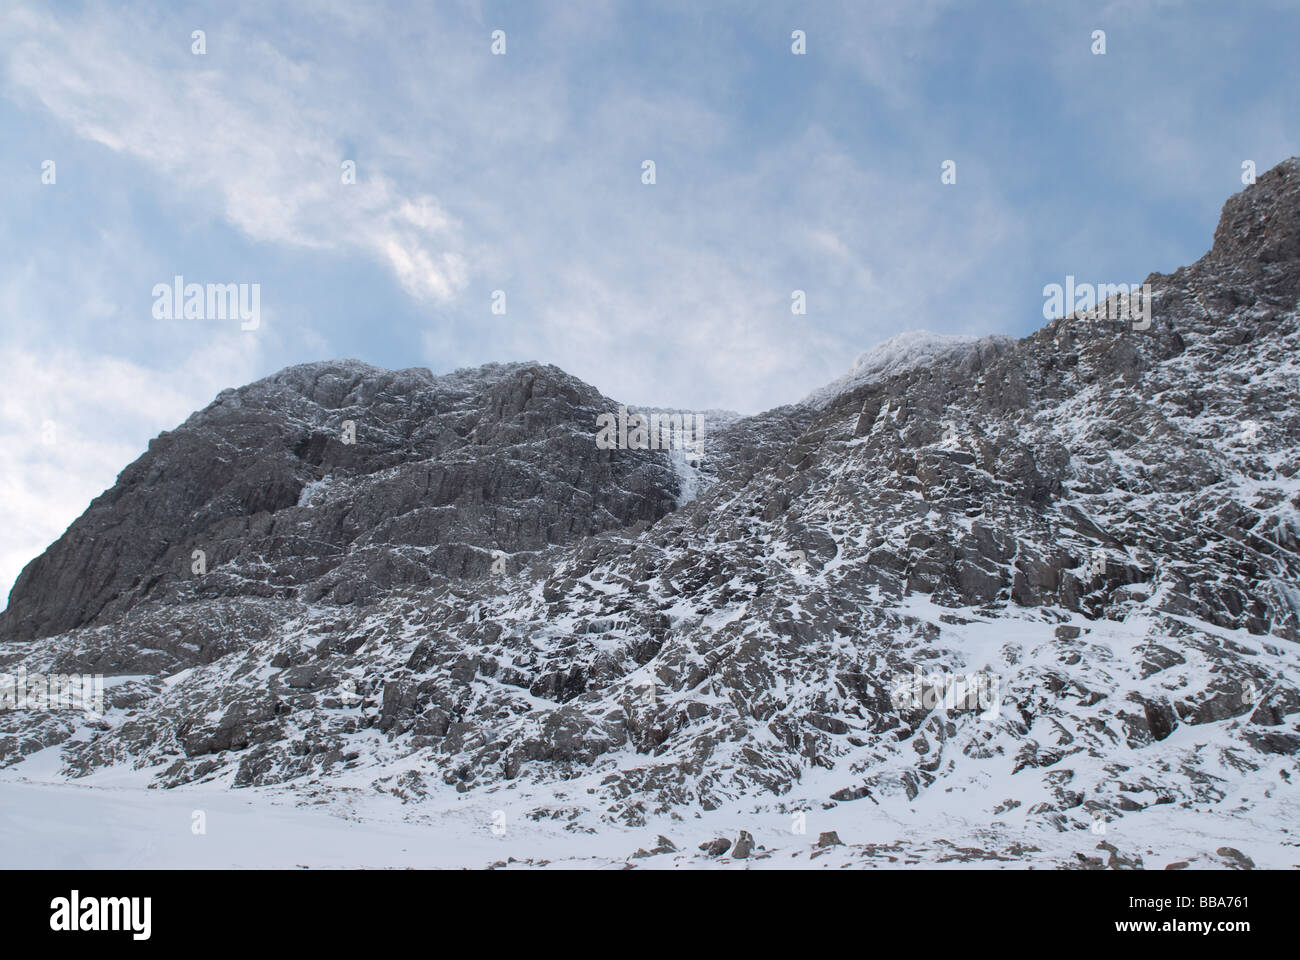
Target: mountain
pixel 908 351
pixel 1033 602
pixel 433 475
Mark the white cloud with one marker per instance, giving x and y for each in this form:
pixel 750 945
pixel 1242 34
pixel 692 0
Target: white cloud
pixel 678 292
pixel 258 139
pixel 69 423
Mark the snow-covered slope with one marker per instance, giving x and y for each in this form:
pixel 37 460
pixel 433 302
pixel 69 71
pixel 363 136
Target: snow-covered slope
pixel 1094 532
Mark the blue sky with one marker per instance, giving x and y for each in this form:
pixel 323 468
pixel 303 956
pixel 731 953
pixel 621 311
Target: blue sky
pixel 522 173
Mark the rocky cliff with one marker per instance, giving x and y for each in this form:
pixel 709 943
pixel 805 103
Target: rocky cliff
pixel 1100 523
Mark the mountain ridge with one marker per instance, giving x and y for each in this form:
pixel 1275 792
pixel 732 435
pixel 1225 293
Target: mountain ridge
pixel 1103 522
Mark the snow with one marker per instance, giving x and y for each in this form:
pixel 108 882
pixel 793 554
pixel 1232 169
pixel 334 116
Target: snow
pixel 112 820
pixel 1203 786
pixel 900 353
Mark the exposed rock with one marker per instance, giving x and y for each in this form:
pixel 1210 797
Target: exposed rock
pixel 1070 562
pixel 264 481
pixel 744 845
pixel 716 848
pixel 1235 858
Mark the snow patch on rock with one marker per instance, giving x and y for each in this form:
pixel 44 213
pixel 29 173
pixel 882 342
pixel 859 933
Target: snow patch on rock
pixel 901 353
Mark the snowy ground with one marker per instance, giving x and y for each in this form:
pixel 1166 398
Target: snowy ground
pixel 112 820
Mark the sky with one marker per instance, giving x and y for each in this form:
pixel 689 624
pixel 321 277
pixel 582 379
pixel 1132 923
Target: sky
pixel 523 172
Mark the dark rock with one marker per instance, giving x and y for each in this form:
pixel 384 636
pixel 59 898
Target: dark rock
pixel 744 846
pixel 716 848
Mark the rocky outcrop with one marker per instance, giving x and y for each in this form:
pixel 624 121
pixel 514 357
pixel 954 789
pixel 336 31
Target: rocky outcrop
pixel 341 482
pixel 1067 565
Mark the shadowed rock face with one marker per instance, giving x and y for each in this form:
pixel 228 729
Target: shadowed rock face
pixel 1105 521
pixel 443 470
pixel 1259 230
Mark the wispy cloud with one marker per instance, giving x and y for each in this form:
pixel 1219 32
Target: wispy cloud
pixel 70 423
pixel 249 134
pixel 522 173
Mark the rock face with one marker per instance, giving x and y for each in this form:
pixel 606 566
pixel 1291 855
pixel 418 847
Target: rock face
pixel 1013 573
pixel 285 500
pixel 908 351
